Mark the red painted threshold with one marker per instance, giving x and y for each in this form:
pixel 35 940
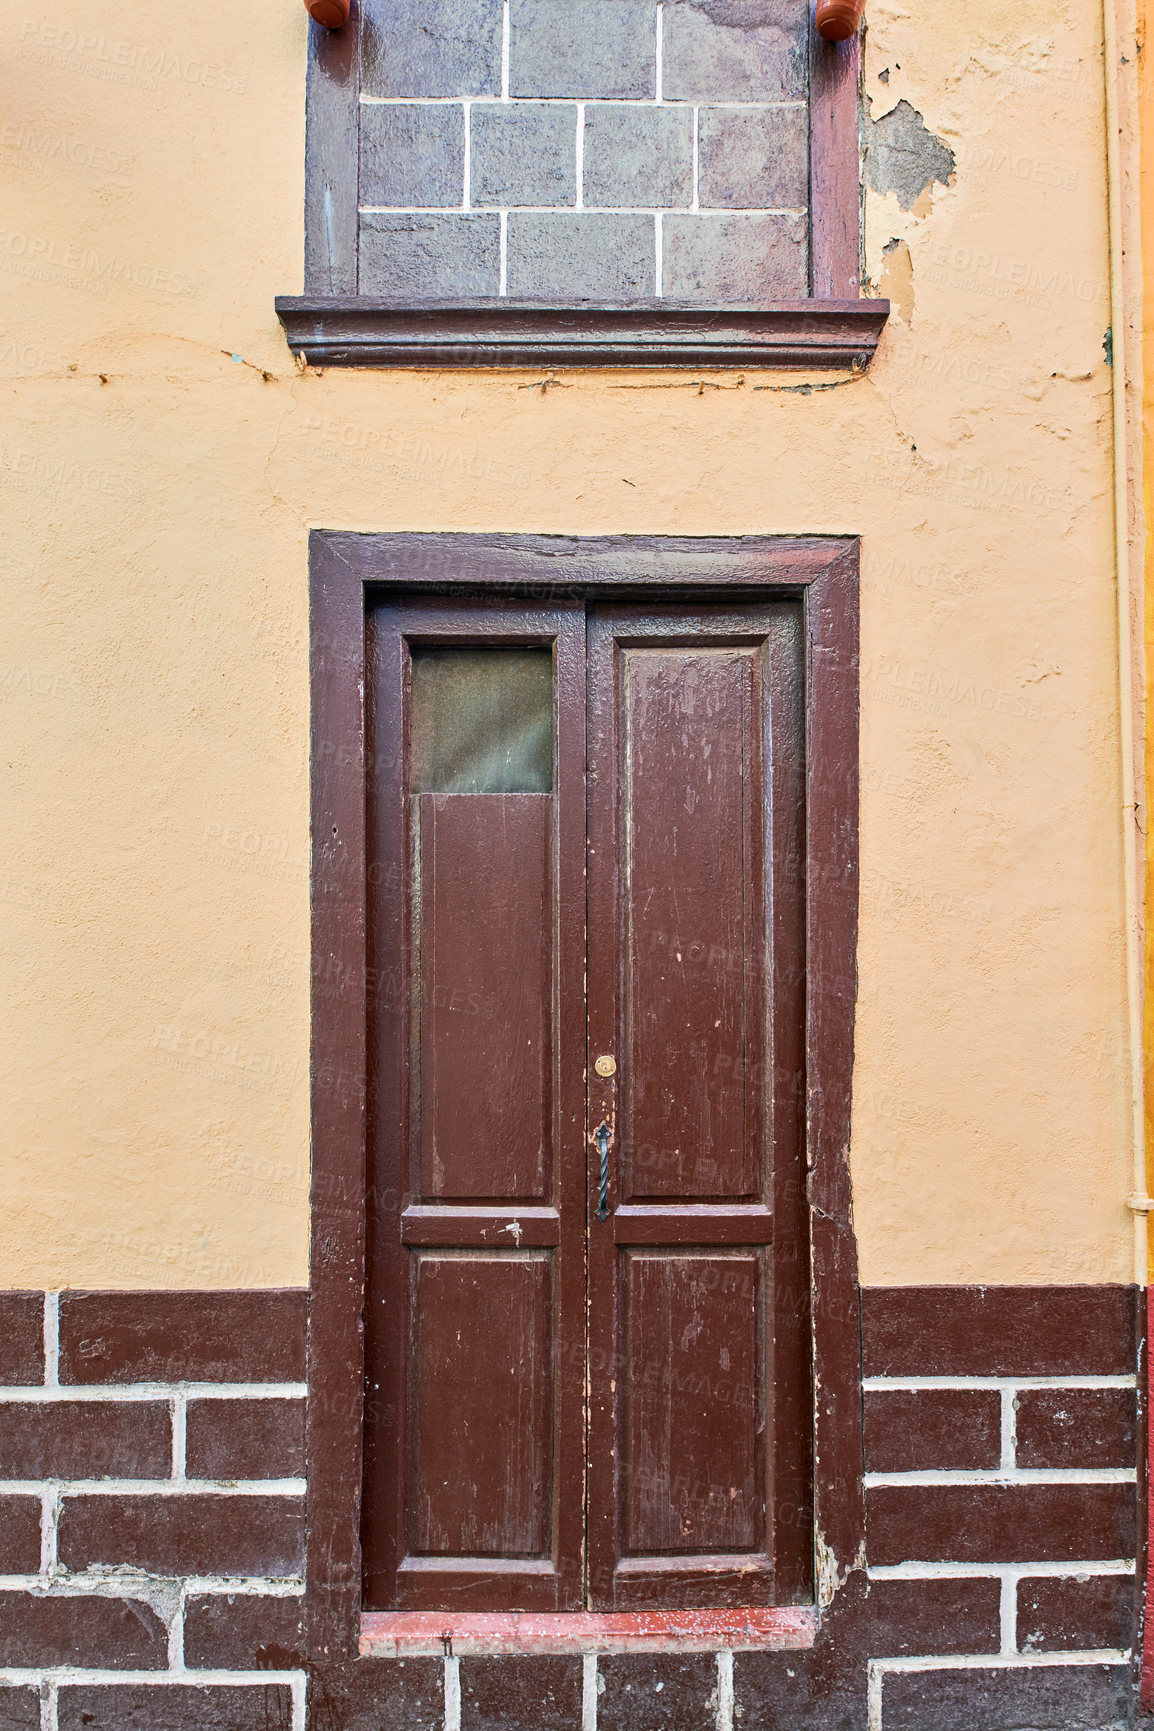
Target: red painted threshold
pixel 397 1634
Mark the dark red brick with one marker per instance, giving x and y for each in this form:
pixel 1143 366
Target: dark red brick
pixel 85 1439
pixel 245 1439
pixel 1063 1696
pixel 185 1535
pixel 176 1707
pixel 1000 1330
pixel 371 1694
pixel 19 1709
pixel 67 1629
pixel 999 1523
pixel 539 1694
pixel 656 1691
pixel 244 1632
pixel 19 1535
pixel 122 1337
pixel 1065 1614
pixel 801 1691
pixel 919 1617
pixel 907 1431
pixel 1077 1427
pixel 21 1338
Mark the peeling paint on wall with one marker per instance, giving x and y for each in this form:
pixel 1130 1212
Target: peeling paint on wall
pixel 897 279
pixel 902 156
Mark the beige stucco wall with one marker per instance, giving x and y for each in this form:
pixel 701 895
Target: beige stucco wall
pixel 157 496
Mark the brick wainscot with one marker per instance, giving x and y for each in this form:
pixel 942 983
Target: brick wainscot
pixel 152 1534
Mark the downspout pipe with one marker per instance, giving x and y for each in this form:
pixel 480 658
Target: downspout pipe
pixel 1140 1201
pixel 1130 876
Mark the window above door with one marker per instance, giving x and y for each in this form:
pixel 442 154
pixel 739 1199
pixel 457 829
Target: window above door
pixel 520 182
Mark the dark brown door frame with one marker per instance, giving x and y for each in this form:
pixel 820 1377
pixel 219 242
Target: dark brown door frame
pixel 823 572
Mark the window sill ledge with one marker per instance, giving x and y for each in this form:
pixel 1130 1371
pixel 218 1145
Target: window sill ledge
pixel 356 331
pixel 405 1634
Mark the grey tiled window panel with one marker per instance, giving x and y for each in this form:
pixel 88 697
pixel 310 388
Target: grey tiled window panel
pixel 753 158
pixel 734 51
pixel 418 257
pixel 582 48
pixel 413 154
pixel 524 153
pixel 638 155
pixel 735 258
pixel 431 47
pixel 584 150
pixel 580 257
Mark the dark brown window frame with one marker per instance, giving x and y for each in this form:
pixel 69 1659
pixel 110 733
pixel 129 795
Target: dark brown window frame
pixel 332 325
pixel 344 568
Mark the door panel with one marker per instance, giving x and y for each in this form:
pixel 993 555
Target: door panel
pixel 694 1356
pixel 692 904
pixel 475 1309
pixel 482 1368
pixel 482 945
pixel 690 854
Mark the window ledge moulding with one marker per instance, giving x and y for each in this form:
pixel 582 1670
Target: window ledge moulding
pixel 406 1634
pixel 352 331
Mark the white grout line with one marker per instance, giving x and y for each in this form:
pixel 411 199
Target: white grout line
pixel 724 1720
pixel 24 1676
pixel 943 1476
pixel 1008 1429
pixel 179 1436
pixel 51 1340
pixel 579 148
pixel 176 1631
pixel 503 281
pixel 566 102
pixel 588 1692
pixel 504 52
pixel 300 1697
pixel 155 1487
pixel 1008 1613
pixel 914 1383
pixel 874 1699
pixel 979 1571
pixel 49 1526
pixel 658 265
pixel 1005 1662
pixel 49 1705
pixel 568 209
pixel 467 172
pixel 452 1695
pixel 694 203
pixel 138 1391
pixel 659 71
pixel 130 1585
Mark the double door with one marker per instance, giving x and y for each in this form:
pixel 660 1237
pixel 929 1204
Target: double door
pixel 587 1317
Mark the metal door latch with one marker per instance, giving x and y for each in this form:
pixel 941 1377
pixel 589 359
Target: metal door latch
pixel 601 1137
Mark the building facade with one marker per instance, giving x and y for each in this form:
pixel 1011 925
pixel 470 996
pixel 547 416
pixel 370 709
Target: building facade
pixel 574 881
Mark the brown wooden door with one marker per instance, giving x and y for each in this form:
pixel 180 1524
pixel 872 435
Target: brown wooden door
pixel 585 1336
pixel 474 1311
pixel 697 1456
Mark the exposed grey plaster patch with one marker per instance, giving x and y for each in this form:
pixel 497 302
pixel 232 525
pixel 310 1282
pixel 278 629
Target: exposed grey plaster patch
pixel 902 156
